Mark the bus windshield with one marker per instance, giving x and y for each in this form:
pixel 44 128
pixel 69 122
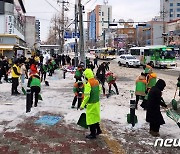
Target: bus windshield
pixel 112 52
pixel 168 54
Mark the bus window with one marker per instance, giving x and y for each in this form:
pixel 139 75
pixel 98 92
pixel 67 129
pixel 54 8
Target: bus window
pixel 135 51
pixel 151 52
pixel 146 52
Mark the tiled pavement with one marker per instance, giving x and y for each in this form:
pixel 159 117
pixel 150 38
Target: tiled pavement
pixel 29 137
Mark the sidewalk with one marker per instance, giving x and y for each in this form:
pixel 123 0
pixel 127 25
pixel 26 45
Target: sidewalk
pixel 28 137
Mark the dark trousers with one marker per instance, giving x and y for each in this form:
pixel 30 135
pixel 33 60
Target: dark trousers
pixel 78 79
pixel 0 76
pixel 102 83
pixel 138 97
pixel 115 86
pixel 43 75
pixel 15 83
pixel 95 64
pixel 95 129
pixel 36 90
pixel 50 72
pixel 75 100
pixel 6 77
pixel 154 127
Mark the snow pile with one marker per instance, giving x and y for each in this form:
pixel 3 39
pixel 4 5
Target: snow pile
pixel 57 98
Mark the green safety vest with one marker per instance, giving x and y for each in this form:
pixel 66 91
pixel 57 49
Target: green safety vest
pixel 94 95
pixel 140 88
pixel 35 82
pixel 151 83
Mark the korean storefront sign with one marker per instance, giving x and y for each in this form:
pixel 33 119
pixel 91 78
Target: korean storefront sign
pixel 10 24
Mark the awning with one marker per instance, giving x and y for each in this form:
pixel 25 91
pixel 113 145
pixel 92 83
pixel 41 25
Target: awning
pixel 21 47
pixel 6 47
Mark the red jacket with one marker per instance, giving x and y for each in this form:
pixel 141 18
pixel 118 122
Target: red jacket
pixel 33 69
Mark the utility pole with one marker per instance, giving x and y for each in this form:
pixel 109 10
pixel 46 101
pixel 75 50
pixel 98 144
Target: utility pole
pixel 163 12
pixel 76 43
pixel 55 30
pixel 62 29
pixel 61 42
pixel 81 39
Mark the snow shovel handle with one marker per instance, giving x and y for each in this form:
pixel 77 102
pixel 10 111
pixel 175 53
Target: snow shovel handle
pixel 175 92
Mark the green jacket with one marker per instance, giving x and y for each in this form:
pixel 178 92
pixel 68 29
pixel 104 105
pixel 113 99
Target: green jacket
pixel 141 85
pixel 44 68
pixel 34 80
pixel 78 73
pixel 152 78
pixel 77 89
pixel 91 98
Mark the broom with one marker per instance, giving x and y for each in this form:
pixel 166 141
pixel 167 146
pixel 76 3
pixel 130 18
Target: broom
pixel 174 102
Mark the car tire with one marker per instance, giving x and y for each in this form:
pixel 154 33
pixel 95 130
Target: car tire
pixel 127 65
pixel 119 63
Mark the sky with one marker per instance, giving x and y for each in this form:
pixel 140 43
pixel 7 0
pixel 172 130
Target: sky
pixel 138 10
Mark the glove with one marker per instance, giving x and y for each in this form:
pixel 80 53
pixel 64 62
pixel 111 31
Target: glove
pixel 165 105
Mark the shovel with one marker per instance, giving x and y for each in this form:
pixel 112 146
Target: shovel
pixel 174 116
pixel 82 121
pixel 40 97
pixel 23 90
pixel 46 83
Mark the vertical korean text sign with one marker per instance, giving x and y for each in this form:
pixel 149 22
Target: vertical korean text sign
pixel 9 24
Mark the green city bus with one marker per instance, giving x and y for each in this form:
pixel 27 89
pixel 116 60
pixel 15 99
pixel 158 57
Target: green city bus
pixel 156 55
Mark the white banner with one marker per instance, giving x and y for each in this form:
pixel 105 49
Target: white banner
pixel 10 24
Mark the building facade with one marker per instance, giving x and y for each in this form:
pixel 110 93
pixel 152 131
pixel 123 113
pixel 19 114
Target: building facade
pixel 151 34
pixel 12 27
pixel 99 20
pixel 30 32
pixel 173 29
pixel 170 9
pixel 37 27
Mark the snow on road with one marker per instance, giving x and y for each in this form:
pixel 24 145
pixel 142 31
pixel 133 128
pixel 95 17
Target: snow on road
pixel 57 98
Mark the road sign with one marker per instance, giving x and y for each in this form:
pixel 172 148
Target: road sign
pixel 77 34
pixel 68 35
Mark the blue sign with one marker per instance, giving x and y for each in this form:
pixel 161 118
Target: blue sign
pixel 68 35
pixel 48 120
pixel 77 34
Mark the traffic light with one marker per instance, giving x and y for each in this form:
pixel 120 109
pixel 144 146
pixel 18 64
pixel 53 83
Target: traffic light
pixel 113 24
pixel 142 24
pixel 164 34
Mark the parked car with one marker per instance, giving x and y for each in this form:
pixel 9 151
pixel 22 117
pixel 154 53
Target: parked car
pixel 128 60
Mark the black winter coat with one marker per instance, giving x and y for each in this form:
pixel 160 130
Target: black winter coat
pixel 153 114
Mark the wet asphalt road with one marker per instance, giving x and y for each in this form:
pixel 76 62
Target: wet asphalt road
pixel 166 71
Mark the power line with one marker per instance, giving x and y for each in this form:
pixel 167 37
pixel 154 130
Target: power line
pixel 52 6
pixel 40 12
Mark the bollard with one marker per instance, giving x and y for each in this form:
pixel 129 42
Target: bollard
pixel 132 93
pixel 79 100
pixel 28 99
pixel 64 74
pixel 132 112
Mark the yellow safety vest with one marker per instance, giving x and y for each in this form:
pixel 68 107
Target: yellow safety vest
pixel 13 73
